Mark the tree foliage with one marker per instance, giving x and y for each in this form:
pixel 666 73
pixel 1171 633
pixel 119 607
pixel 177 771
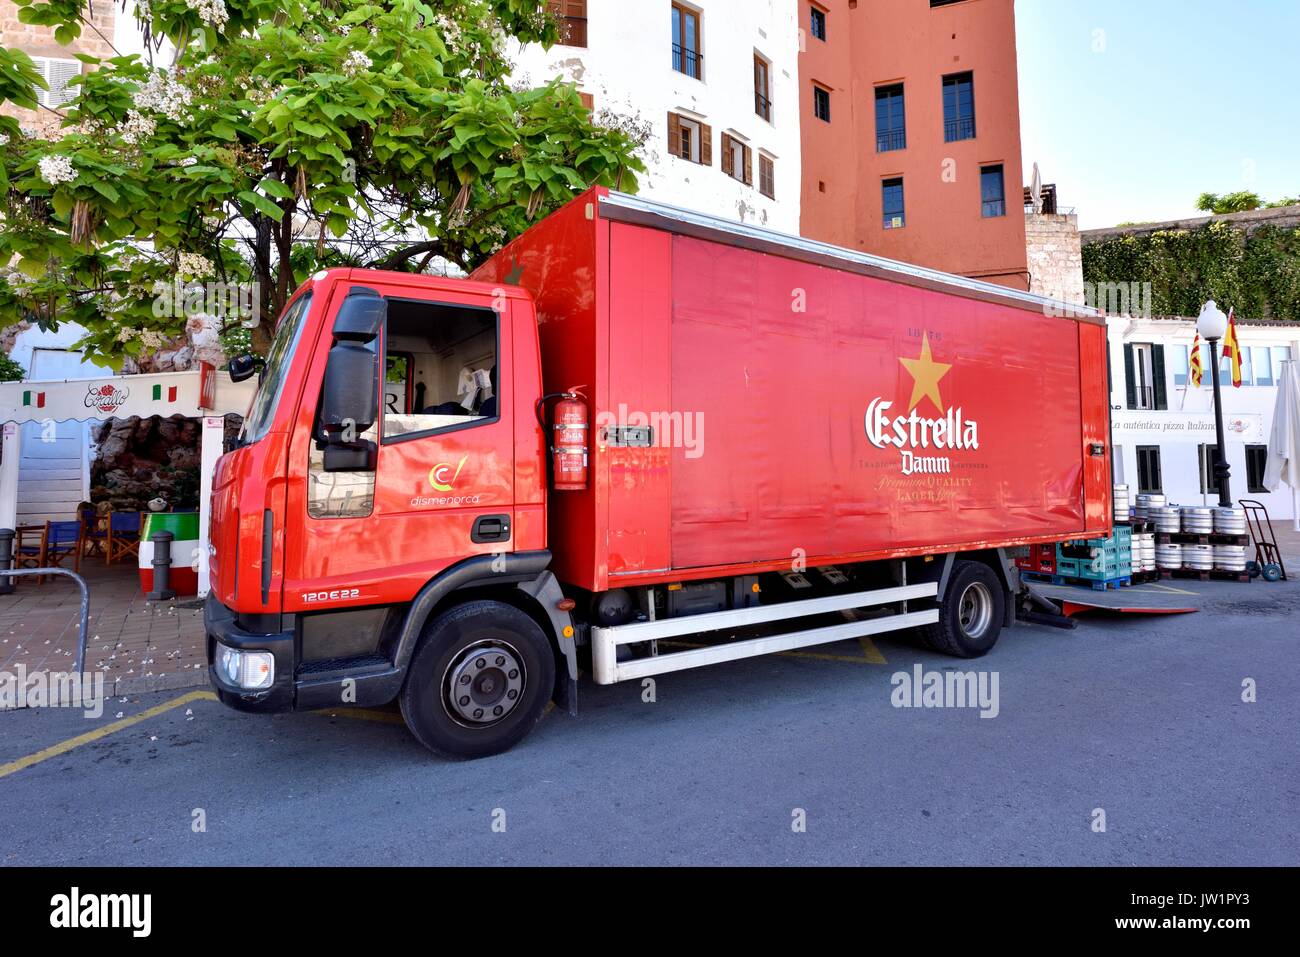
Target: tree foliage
pixel 286 136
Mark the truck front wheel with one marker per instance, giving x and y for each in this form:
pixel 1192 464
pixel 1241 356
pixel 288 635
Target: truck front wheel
pixel 479 680
pixel 971 612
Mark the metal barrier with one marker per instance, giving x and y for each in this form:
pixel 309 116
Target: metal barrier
pixel 10 573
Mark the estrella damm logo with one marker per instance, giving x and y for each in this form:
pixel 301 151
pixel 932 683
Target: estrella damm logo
pixel 443 478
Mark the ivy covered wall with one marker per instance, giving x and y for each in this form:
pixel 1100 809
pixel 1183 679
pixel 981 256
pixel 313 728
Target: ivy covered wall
pixel 1258 274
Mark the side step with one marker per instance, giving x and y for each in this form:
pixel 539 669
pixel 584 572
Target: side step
pixel 605 641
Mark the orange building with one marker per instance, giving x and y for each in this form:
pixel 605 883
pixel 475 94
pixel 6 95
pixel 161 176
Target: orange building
pixel 910 133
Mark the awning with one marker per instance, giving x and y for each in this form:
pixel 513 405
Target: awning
pixel 189 394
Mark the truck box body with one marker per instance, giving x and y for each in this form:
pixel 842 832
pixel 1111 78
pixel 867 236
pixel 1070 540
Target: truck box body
pixel 804 403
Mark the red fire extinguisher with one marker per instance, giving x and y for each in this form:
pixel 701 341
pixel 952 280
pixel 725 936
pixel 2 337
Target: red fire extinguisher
pixel 569 440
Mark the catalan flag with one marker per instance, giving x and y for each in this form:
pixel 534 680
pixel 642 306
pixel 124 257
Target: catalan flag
pixel 1232 350
pixel 1197 371
pixel 34 398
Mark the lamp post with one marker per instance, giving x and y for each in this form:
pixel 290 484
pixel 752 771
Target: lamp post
pixel 1212 325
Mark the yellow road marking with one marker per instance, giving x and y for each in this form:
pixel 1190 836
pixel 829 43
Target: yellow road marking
pixel 1172 589
pixel 63 747
pixel 363 714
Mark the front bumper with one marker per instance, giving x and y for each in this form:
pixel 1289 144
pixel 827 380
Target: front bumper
pixel 222 626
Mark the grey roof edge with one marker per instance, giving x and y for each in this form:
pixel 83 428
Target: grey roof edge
pixel 905 271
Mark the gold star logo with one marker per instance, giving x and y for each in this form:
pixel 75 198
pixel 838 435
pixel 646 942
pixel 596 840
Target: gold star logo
pixel 926 373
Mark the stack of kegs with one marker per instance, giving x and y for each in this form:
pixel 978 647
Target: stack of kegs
pixel 1145 502
pixel 1169 556
pixel 1144 552
pixel 1230 521
pixel 1230 558
pixel 1168 518
pixel 1122 503
pixel 1198 557
pixel 1197 520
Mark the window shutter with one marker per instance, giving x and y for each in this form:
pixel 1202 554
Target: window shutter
pixel 1130 378
pixel 57 75
pixel 675 134
pixel 1158 374
pixel 706 145
pixel 749 166
pixel 728 161
pixel 588 101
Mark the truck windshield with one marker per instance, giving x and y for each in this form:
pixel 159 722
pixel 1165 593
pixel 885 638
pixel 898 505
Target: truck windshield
pixel 278 362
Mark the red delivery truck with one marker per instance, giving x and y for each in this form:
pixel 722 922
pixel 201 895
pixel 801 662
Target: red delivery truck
pixel 635 424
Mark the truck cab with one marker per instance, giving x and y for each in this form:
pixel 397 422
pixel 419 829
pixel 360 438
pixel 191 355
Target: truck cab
pixel 391 456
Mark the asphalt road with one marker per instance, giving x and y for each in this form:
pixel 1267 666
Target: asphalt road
pixel 1143 719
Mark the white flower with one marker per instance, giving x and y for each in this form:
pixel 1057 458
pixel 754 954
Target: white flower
pixel 137 127
pixel 57 169
pixel 355 62
pixel 211 12
pixel 192 264
pixel 4 139
pixel 162 94
pixel 125 334
pixel 152 339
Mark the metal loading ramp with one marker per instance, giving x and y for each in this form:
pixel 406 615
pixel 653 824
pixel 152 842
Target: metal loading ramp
pixel 1153 598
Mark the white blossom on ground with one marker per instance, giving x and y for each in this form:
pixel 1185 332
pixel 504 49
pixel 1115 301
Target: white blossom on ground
pixel 57 169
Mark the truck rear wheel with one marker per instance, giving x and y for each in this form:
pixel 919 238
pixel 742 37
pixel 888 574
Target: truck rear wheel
pixel 479 680
pixel 971 613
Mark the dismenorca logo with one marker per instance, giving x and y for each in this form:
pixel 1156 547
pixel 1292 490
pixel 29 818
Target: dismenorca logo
pixel 443 478
pixel 74 910
pixel 912 432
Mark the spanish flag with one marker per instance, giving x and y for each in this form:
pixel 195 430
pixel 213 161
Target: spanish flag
pixel 1197 371
pixel 1232 350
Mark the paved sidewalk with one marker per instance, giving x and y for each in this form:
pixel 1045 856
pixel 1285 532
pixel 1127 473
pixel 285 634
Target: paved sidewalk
pixel 139 645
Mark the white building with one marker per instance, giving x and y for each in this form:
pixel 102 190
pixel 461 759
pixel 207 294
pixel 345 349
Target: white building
pixel 717 83
pixel 1163 427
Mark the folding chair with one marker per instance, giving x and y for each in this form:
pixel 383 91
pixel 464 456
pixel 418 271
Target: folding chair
pixel 94 531
pixel 29 548
pixel 63 540
pixel 123 535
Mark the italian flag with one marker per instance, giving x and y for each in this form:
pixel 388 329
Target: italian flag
pixel 34 398
pixel 184 576
pixel 158 393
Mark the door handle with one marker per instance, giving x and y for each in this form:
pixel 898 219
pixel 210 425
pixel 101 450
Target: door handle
pixel 490 528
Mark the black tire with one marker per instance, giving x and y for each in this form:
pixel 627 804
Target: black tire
pixel 484 642
pixel 960 633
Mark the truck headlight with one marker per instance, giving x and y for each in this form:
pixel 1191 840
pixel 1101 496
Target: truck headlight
pixel 251 670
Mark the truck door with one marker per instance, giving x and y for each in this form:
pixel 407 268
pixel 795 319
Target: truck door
pixel 442 486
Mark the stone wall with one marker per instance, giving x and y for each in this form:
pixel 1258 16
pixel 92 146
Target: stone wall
pixel 1054 254
pixel 39 41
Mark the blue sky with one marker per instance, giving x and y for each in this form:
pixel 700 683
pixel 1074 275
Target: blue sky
pixel 1135 107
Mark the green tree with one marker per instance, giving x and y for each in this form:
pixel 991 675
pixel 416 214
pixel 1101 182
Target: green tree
pixel 286 136
pixel 10 371
pixel 1238 202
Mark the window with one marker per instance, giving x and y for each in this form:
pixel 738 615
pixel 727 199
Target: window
pixel 817 22
pixel 762 88
pixel 1148 459
pixel 993 197
pixel 767 176
pixel 958 107
pixel 686 42
pixel 1144 376
pixel 1209 459
pixel 278 360
pixel 588 101
pixel 1256 464
pixel 821 103
pixel 690 139
pixel 57 74
pixel 1260 359
pixel 891 191
pixel 572 15
pixel 737 160
pixel 1280 354
pixel 943 3
pixel 891 125
pixel 440 368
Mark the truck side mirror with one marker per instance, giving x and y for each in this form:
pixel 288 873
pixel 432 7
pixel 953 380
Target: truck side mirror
pixel 350 393
pixel 243 367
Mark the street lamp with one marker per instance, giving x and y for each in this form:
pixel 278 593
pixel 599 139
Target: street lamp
pixel 1212 325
